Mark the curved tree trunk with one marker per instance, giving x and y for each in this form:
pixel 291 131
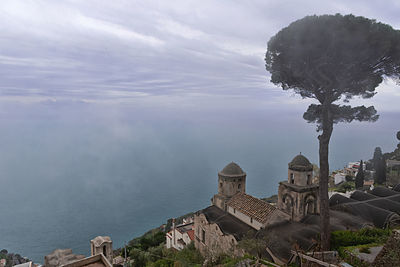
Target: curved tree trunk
pixel 324 138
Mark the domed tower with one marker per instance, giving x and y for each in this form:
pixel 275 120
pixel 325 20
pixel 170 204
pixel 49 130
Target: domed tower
pixel 300 171
pixel 298 196
pixel 231 180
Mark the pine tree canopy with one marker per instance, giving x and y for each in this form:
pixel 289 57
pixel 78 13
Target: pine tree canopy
pixel 334 57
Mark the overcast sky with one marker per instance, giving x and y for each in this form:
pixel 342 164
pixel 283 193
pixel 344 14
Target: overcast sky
pixel 157 53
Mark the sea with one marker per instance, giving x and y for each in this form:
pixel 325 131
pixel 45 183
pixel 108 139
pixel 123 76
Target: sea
pixel 69 174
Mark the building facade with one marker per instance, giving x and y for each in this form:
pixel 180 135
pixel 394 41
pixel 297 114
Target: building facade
pixel 102 244
pixel 298 196
pixel 233 214
pixel 217 231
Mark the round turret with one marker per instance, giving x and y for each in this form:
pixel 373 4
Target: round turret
pixel 300 171
pixel 231 180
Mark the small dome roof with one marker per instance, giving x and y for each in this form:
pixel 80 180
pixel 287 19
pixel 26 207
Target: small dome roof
pixel 300 163
pixel 232 169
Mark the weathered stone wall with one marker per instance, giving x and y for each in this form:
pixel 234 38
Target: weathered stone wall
pixel 298 201
pixel 230 186
pixel 105 248
pixel 219 201
pixel 214 241
pixel 301 178
pixel 60 257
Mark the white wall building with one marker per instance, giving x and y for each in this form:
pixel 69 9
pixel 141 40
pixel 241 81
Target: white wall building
pixel 180 236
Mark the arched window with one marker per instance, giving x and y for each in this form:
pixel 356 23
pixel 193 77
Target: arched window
pixel 104 250
pixel 309 179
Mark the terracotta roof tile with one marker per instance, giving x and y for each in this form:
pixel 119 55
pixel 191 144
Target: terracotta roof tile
pixel 252 207
pixel 191 234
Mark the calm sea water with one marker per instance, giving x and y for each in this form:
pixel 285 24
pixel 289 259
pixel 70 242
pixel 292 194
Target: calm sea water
pixel 68 175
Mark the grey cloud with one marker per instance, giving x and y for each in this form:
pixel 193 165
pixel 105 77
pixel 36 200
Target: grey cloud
pixel 105 50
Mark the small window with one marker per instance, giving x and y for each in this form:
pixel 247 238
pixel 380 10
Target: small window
pixel 292 178
pixel 216 228
pixel 234 210
pixel 203 236
pixel 104 251
pixel 309 179
pixel 251 220
pixel 239 186
pixel 220 185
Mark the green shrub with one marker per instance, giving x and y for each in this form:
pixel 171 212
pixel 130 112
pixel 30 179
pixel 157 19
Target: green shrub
pixel 346 186
pixel 189 256
pixel 354 238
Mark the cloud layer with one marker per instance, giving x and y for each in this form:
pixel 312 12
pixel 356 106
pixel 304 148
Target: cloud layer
pixel 155 52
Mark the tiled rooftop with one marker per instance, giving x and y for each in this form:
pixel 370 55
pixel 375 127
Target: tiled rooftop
pixel 252 207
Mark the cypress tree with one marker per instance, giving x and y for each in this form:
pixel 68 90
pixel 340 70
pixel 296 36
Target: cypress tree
pixel 360 176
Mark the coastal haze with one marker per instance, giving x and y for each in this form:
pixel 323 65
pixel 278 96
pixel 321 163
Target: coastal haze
pixel 116 116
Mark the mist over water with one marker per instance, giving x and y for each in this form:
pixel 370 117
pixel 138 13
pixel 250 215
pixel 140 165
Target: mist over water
pixel 70 173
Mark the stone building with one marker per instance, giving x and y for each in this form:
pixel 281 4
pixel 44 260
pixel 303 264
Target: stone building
pixel 254 212
pixel 101 255
pixel 233 214
pixel 231 180
pixel 295 219
pixel 102 244
pixel 217 231
pixel 298 196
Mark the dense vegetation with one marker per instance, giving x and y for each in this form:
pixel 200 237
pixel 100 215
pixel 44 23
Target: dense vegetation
pixel 348 243
pixel 344 187
pixel 149 250
pixel 340 239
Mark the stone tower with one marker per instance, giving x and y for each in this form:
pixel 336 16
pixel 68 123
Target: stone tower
pixel 102 244
pixel 231 180
pixel 298 196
